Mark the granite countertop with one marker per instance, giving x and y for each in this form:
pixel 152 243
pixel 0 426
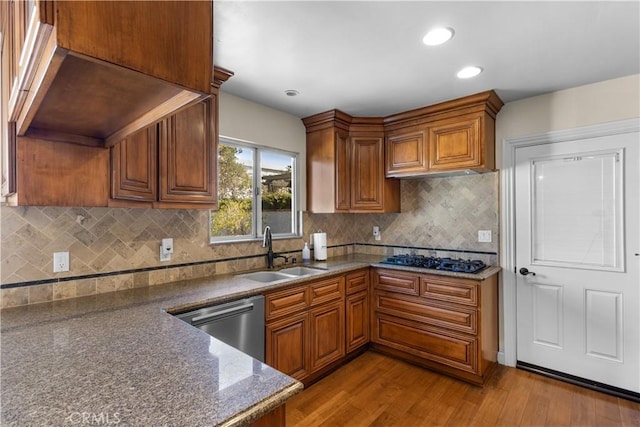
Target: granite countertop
pixel 121 358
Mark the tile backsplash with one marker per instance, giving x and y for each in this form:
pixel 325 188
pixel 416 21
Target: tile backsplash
pixel 441 213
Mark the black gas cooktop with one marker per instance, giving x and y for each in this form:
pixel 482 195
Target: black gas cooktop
pixel 434 263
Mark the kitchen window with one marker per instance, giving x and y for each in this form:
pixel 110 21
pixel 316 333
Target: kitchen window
pixel 257 186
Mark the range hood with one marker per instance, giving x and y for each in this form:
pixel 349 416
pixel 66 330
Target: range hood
pixel 94 72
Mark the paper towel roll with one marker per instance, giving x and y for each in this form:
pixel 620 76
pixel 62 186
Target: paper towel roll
pixel 320 246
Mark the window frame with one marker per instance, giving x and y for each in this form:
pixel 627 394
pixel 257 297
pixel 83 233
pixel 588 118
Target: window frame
pixel 257 226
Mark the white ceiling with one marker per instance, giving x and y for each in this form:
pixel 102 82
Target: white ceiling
pixel 367 58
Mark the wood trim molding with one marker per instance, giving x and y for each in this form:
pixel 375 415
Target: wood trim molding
pixel 220 75
pixel 332 118
pixel 183 99
pixel 488 100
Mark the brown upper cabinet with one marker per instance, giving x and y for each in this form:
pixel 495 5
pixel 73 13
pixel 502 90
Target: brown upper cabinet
pixel 345 165
pixel 453 136
pixel 81 77
pixel 93 72
pixel 352 162
pixel 171 164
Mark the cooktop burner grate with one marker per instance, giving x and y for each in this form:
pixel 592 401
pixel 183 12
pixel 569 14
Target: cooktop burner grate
pixel 434 263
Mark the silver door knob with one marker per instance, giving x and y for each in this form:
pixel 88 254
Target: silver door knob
pixel 525 272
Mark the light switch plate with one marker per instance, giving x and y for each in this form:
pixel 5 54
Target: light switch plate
pixel 484 236
pixel 376 232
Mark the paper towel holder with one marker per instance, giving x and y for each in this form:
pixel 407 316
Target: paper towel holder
pixel 319 246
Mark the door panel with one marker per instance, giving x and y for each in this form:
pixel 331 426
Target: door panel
pixel 578 235
pixel 547 314
pixel 604 324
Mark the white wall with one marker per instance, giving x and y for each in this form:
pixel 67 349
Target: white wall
pixel 248 121
pixel 601 102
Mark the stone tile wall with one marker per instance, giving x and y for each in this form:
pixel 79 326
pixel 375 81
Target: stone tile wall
pixel 442 213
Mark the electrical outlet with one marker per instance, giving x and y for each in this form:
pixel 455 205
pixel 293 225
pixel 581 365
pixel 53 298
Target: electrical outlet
pixel 60 262
pixel 484 236
pixel 166 249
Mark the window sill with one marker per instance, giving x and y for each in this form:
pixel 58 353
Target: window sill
pixel 253 239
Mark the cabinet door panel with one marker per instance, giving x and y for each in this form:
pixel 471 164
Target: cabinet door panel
pixel 357 318
pixel 187 161
pixel 133 167
pixel 287 344
pixel 406 153
pixel 455 145
pixel 367 173
pixel 327 334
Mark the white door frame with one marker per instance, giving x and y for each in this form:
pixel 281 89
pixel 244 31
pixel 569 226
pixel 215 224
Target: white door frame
pixel 508 355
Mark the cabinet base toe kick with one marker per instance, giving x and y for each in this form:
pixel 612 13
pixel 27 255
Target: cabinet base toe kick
pixel 436 367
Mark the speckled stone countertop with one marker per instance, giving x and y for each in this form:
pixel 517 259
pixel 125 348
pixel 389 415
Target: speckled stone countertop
pixel 121 359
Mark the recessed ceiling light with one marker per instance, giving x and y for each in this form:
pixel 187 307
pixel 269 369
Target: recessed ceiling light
pixel 291 92
pixel 468 72
pixel 438 36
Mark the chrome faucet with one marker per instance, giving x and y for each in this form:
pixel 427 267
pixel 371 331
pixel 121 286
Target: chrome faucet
pixel 267 243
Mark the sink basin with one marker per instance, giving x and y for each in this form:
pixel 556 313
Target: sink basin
pixel 300 271
pixel 266 276
pixel 285 273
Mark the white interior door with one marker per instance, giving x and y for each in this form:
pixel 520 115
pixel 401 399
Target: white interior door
pixel 577 234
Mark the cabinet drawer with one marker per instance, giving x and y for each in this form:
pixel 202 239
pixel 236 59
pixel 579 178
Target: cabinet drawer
pixel 326 290
pixel 451 349
pixel 463 319
pixel 286 301
pixel 358 281
pixel 461 291
pixel 396 281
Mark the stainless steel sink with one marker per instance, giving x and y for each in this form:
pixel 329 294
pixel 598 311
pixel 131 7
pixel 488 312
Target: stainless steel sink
pixel 285 273
pixel 266 276
pixel 301 271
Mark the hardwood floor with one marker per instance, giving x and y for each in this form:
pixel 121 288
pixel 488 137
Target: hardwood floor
pixel 376 390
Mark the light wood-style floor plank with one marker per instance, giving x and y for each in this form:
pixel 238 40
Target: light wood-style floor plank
pixel 377 390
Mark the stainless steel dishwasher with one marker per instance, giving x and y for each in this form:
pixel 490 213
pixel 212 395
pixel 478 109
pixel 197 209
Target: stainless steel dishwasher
pixel 238 323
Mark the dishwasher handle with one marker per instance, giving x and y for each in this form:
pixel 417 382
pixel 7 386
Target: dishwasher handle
pixel 223 313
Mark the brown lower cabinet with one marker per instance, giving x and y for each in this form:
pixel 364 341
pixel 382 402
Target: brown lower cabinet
pixel 448 324
pixel 313 327
pixel 444 323
pixel 357 310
